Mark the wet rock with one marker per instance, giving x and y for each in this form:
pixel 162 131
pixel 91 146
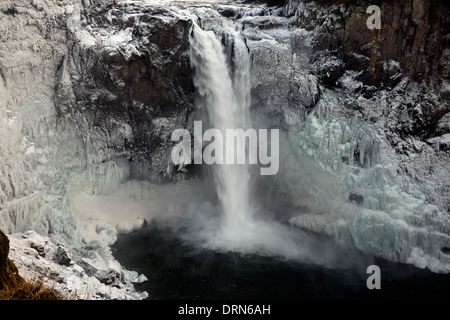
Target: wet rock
pixel 109 277
pixel 357 198
pixel 413 33
pixel 140 73
pixel 39 248
pixel 63 257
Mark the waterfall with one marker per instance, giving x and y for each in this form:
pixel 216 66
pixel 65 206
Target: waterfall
pixel 226 98
pixel 224 87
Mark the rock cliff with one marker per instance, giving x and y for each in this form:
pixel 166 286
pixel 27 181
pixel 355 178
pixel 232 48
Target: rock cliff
pixel 9 277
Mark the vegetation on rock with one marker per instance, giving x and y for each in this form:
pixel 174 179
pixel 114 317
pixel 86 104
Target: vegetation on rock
pixel 13 286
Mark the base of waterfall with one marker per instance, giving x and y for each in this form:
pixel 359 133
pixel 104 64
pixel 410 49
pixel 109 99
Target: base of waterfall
pixel 178 270
pixel 190 209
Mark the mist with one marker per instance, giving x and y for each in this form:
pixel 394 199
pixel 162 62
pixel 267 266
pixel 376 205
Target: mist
pixel 233 208
pixel 192 213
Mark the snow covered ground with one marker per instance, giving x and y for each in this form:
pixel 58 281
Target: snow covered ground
pixel 38 258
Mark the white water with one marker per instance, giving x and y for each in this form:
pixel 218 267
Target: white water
pixel 227 103
pixel 226 99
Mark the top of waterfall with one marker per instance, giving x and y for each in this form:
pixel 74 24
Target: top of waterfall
pixel 186 2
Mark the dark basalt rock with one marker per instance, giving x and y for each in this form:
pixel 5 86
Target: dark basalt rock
pixel 413 43
pixel 63 257
pixel 359 199
pixel 413 33
pixel 9 274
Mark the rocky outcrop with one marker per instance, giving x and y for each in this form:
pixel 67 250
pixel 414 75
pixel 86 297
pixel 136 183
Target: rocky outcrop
pixel 9 276
pixel 136 84
pixel 413 41
pixel 413 33
pixel 37 257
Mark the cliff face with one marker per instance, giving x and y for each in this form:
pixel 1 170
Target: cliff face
pixel 9 277
pixel 136 85
pixel 413 32
pixel 413 41
pixel 91 92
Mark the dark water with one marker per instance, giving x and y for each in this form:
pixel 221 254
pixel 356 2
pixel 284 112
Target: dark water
pixel 179 271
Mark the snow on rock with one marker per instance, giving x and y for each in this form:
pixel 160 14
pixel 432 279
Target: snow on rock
pixel 57 136
pixel 37 257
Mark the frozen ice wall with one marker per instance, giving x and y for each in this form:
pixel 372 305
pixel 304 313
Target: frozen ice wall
pixel 81 109
pixel 42 155
pixel 64 131
pixel 360 181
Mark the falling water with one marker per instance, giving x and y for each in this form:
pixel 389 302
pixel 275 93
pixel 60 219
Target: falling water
pixel 224 86
pixel 226 98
